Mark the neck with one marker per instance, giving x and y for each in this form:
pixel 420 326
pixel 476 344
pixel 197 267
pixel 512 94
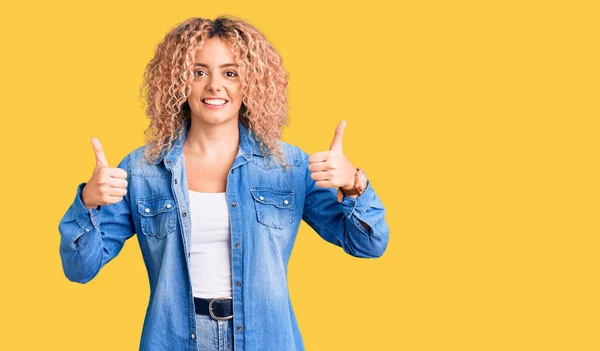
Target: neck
pixel 212 140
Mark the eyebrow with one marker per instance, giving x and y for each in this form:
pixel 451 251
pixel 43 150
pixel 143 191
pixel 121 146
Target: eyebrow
pixel 224 65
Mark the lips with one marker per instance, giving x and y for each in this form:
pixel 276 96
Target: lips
pixel 214 103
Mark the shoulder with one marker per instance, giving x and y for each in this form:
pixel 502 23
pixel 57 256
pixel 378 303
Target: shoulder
pixel 136 165
pixel 137 154
pixel 294 155
pixel 134 157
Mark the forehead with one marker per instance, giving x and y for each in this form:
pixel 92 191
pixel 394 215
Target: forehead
pixel 214 51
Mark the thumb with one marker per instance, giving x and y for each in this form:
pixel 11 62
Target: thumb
pixel 100 158
pixel 336 144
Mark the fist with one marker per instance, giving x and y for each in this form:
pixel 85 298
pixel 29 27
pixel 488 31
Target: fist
pixel 107 185
pixel 331 169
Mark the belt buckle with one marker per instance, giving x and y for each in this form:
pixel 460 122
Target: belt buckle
pixel 210 309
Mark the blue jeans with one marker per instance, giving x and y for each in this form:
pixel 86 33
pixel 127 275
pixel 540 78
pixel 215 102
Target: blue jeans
pixel 214 335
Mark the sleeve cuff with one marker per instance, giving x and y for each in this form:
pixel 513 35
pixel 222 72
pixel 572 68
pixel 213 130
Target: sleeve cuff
pixel 360 204
pixel 87 219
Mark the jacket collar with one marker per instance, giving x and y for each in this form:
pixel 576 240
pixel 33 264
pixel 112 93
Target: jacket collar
pixel 248 145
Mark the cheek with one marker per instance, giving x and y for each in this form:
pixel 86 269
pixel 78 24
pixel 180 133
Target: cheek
pixel 196 90
pixel 237 93
pixel 194 99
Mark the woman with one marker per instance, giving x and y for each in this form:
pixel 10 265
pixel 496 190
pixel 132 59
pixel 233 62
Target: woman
pixel 216 198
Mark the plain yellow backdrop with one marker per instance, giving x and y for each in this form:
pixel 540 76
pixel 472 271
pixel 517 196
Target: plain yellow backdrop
pixel 476 121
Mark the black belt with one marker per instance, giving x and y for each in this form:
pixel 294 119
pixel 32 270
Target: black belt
pixel 219 308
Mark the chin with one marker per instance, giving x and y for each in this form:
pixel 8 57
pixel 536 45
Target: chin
pixel 215 120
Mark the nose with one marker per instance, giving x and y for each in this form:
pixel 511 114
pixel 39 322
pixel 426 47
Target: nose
pixel 214 83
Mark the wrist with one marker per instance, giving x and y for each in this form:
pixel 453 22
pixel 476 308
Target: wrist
pixel 354 196
pixel 358 187
pixel 347 188
pixel 90 206
pixel 86 204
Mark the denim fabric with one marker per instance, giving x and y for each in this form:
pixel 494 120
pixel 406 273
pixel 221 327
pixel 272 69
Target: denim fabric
pixel 266 205
pixel 214 335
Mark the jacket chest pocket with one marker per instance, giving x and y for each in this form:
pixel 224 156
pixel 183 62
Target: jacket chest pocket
pixel 274 207
pixel 157 215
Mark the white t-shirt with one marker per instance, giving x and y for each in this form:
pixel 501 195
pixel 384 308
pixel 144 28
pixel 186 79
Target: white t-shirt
pixel 210 251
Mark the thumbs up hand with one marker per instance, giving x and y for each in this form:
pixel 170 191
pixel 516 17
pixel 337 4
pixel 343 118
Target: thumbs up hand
pixel 331 169
pixel 107 185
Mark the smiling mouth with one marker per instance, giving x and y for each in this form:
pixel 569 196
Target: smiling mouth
pixel 214 102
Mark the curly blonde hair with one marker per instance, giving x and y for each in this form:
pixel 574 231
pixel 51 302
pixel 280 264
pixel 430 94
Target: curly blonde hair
pixel 168 77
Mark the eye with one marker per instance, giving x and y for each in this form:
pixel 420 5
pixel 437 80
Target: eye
pixel 198 73
pixel 231 74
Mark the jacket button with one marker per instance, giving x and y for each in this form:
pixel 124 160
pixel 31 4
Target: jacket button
pixel 184 214
pixel 261 198
pixel 237 245
pixel 286 202
pixel 175 181
pixel 238 283
pixel 193 336
pixel 147 210
pixel 233 204
pixel 168 205
pixel 239 328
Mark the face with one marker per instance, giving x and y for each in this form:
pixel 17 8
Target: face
pixel 216 95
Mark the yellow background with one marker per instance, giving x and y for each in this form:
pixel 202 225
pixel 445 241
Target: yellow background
pixel 476 121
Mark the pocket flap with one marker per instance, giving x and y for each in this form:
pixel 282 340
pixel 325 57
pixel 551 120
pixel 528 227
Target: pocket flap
pixel 279 198
pixel 155 205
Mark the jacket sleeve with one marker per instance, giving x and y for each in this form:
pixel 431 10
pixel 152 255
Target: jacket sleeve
pixel 89 239
pixel 338 222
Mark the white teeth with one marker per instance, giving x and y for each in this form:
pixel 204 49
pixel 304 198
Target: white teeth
pixel 217 102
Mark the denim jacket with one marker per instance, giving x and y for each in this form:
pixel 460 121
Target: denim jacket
pixel 266 203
